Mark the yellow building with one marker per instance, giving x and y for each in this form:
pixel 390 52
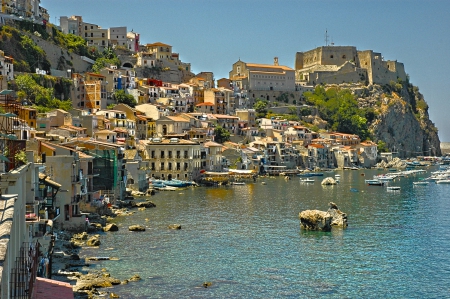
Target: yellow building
pixel 160 50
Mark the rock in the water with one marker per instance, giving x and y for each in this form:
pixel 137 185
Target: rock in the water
pixel 145 204
pixel 329 181
pixel 135 277
pixel 111 227
pixel 136 228
pixel 339 218
pixel 175 226
pixel 207 284
pixel 93 241
pixel 315 220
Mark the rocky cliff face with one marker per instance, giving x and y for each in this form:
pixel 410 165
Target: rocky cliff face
pixel 401 119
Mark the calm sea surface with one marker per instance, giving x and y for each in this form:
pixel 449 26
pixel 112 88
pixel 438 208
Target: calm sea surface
pixel 246 240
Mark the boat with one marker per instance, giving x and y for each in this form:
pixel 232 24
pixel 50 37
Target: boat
pixel 420 183
pixel 375 182
pixel 393 188
pixel 447 181
pixel 304 174
pixel 316 173
pixel 237 183
pixel 307 180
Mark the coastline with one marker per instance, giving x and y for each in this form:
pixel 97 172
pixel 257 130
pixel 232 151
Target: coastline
pixel 68 266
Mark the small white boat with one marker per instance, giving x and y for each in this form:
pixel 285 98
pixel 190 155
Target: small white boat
pixel 393 188
pixel 307 180
pixel 237 183
pixel 443 181
pixel 420 183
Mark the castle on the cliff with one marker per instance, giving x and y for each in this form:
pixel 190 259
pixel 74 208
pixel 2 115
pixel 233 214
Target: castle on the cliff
pixel 344 64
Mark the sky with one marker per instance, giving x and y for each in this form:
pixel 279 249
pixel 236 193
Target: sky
pixel 214 34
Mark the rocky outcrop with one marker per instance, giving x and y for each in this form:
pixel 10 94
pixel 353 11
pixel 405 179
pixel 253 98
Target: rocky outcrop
pixel 145 204
pixel 315 220
pixel 394 163
pixel 321 220
pixel 93 241
pixel 338 218
pixel 329 181
pixel 402 119
pixel 136 228
pixel 175 226
pixel 111 227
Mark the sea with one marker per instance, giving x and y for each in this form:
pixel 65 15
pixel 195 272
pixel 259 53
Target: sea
pixel 245 241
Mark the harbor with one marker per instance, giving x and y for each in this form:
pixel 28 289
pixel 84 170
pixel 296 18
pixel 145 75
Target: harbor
pixel 226 229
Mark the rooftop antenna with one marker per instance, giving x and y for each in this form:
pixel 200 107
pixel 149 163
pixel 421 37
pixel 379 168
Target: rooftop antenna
pixel 326 37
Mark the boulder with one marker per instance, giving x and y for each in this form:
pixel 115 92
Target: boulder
pixel 175 226
pixel 135 277
pixel 136 228
pixel 329 181
pixel 145 204
pixel 111 227
pixel 315 220
pixel 93 241
pixel 338 217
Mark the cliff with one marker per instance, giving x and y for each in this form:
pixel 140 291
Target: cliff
pixel 400 119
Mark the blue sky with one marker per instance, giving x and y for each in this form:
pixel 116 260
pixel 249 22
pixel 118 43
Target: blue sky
pixel 213 34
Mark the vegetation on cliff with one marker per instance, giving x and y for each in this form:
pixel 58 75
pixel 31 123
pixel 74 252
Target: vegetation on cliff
pixel 340 109
pixel 32 91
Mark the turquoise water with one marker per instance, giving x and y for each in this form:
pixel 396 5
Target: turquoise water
pixel 246 241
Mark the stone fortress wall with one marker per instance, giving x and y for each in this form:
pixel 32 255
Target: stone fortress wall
pixel 344 64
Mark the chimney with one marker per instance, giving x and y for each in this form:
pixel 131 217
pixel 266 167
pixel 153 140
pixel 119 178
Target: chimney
pixel 275 61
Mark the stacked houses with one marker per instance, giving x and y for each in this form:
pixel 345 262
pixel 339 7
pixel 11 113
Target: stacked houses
pixel 59 166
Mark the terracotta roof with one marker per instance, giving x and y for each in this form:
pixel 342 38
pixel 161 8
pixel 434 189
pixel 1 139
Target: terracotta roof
pixel 211 143
pixel 225 116
pixel 177 118
pixel 158 44
pixel 269 66
pixel 205 104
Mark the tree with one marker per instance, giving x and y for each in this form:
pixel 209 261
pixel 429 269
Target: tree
pixel 221 134
pixel 260 107
pixel 121 97
pixel 382 147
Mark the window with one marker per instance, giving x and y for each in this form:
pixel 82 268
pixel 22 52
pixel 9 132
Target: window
pixel 331 56
pixel 162 165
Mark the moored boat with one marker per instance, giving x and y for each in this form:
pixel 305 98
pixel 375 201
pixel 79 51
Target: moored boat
pixel 393 188
pixel 307 180
pixel 374 182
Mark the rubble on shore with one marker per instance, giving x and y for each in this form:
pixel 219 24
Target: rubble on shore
pixel 68 265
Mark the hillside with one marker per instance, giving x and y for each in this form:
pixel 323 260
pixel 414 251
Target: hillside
pixel 397 115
